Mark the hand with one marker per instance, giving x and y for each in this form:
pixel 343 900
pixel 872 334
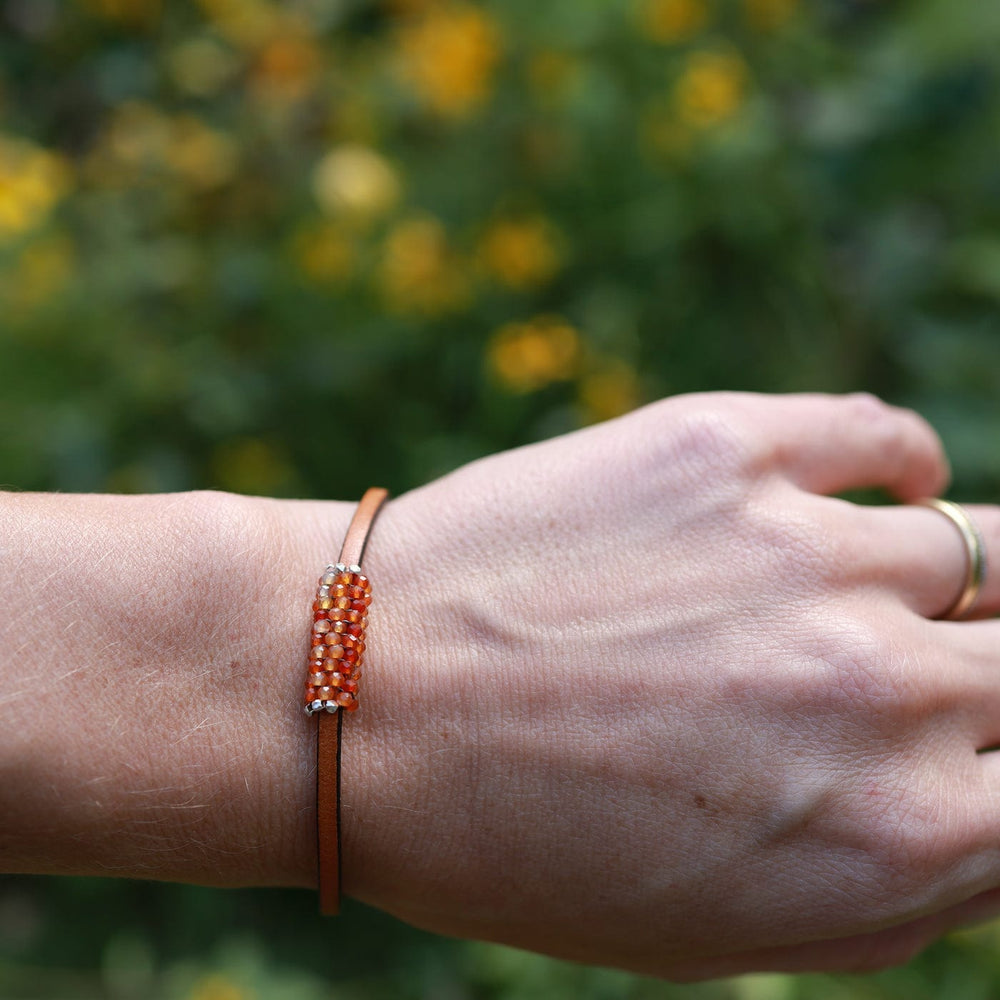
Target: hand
pixel 643 696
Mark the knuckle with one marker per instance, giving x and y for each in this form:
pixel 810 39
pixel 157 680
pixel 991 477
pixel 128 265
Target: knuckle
pixel 893 433
pixel 861 671
pixel 705 437
pixel 878 417
pixel 868 406
pixel 799 552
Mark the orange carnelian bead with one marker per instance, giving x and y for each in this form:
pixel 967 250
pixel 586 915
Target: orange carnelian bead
pixel 341 627
pixel 345 698
pixel 353 628
pixel 310 692
pixel 342 602
pixel 321 627
pixel 351 686
pixel 322 604
pixel 348 641
pixel 358 605
pixel 360 647
pixel 317 639
pixel 351 616
pixel 319 616
pixel 340 590
pixel 315 664
pixel 336 679
pixel 326 693
pixel 345 578
pixel 335 652
pixel 350 655
pixel 317 679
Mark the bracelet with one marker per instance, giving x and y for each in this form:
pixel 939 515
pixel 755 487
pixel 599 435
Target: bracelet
pixel 340 615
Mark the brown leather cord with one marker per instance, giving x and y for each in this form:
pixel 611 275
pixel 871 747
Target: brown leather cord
pixel 329 731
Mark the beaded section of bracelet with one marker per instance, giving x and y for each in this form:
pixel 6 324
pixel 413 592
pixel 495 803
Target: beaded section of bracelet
pixel 337 645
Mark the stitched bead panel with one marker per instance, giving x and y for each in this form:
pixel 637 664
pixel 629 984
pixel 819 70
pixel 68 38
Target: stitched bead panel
pixel 337 643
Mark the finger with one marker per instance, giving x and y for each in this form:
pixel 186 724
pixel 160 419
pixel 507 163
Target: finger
pixel 978 645
pixel 964 661
pixel 828 444
pixel 861 953
pixel 919 553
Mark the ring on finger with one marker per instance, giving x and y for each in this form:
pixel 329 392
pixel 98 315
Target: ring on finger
pixel 975 549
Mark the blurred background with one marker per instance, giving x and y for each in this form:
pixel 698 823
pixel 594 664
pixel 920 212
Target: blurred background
pixel 230 227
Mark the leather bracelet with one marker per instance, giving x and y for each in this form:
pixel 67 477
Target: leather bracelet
pixel 340 615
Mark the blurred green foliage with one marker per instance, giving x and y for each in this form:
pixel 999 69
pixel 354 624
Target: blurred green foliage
pixel 231 229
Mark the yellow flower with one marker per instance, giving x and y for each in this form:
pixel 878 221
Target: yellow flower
pixel 668 21
pixel 202 156
pixel 520 253
pixel 610 391
pixel 528 356
pixel 766 15
pixel 711 88
pixel 355 181
pixel 324 254
pixel 140 138
pixel 449 55
pixel 32 180
pixel 418 272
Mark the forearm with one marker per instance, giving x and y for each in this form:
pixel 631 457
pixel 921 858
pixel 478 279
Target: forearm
pixel 151 666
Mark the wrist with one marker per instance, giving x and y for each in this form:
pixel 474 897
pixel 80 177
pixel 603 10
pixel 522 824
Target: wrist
pixel 379 750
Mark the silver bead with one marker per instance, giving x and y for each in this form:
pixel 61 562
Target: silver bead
pixel 354 569
pixel 331 706
pixel 340 568
pixel 317 705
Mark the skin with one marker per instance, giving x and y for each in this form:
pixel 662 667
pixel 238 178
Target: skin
pixel 642 696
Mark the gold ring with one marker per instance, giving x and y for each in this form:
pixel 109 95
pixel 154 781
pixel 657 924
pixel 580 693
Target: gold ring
pixel 975 548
